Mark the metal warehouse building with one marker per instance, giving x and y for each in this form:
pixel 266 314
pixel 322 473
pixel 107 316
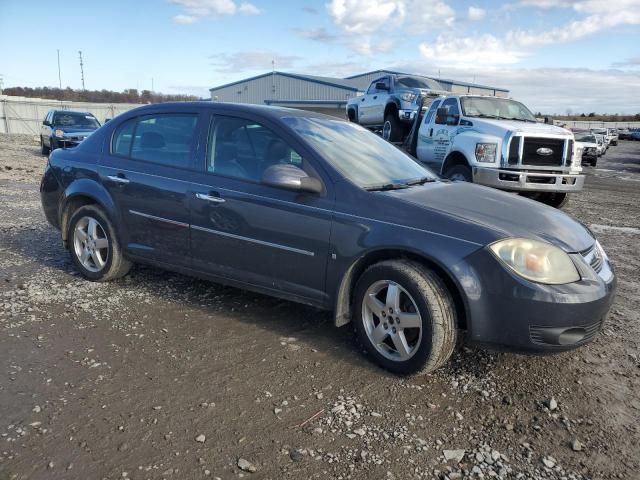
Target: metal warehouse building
pixel 322 94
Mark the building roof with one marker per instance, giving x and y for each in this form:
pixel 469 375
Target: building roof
pixel 441 80
pixel 330 81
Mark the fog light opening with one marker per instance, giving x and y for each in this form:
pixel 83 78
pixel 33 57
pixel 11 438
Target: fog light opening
pixel 571 336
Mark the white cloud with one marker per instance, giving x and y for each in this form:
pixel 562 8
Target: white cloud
pixel 255 60
pixel 318 34
pixel 184 19
pixel 363 16
pixel 483 50
pixel 476 13
pixel 249 9
pixel 196 9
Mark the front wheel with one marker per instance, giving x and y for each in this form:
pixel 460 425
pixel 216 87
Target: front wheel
pixel 392 128
pixel 459 173
pixel 404 316
pixel 95 249
pixel 43 149
pixel 556 200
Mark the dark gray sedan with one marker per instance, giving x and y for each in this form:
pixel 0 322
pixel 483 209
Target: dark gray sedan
pixel 320 211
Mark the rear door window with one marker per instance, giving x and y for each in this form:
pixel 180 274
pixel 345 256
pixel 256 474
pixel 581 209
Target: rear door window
pixel 166 139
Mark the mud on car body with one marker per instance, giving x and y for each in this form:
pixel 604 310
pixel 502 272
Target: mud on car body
pixel 323 212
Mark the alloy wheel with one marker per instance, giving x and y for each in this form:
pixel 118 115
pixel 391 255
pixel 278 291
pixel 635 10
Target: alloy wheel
pixel 386 130
pixel 91 244
pixel 392 320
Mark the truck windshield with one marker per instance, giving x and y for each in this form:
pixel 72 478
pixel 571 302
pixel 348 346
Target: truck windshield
pixel 361 156
pixel 492 107
pixel 586 138
pixel 75 120
pixel 417 82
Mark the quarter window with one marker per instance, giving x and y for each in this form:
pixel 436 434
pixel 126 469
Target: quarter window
pixel 244 149
pixel 121 143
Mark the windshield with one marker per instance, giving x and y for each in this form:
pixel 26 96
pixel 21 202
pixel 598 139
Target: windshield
pixel 586 138
pixel 492 107
pixel 417 82
pixel 75 120
pixel 361 156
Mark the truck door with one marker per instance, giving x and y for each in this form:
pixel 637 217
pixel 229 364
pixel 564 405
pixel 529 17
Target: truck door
pixel 444 129
pixel 379 100
pixel 424 146
pixel 364 106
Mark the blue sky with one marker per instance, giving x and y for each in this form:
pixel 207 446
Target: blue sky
pixel 555 55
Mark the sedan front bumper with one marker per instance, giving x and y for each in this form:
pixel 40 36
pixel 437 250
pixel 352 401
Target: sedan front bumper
pixel 510 312
pixel 532 181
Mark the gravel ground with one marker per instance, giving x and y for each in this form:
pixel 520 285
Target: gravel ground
pixel 163 376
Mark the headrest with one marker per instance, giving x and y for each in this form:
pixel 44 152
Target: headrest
pixel 151 140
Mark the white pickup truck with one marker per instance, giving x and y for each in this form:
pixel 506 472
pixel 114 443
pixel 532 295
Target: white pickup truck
pixel 497 142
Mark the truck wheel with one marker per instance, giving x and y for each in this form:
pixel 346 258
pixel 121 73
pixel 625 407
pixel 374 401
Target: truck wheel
pixel 459 173
pixel 392 128
pixel 557 200
pixel 44 150
pixel 352 115
pixel 404 316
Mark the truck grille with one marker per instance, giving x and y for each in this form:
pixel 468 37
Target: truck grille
pixel 533 148
pixel 514 150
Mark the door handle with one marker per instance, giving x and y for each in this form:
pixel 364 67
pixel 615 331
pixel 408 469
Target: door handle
pixel 118 179
pixel 431 132
pixel 210 198
pixel 375 96
pixel 362 100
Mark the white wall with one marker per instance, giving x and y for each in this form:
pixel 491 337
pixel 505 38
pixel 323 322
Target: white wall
pixel 25 115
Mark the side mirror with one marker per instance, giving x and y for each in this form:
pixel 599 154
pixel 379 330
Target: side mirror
pixel 48 124
pixel 441 115
pixel 291 177
pixel 382 86
pixel 106 120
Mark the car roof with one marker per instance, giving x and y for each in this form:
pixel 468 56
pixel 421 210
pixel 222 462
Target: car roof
pixel 56 110
pixel 274 112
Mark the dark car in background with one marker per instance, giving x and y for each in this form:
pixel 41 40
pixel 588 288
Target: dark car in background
pixel 66 128
pixel 321 211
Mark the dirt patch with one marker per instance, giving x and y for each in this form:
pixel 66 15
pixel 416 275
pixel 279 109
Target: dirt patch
pixel 163 376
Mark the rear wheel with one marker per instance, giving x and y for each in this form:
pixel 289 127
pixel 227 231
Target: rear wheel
pixel 459 173
pixel 392 128
pixel 404 316
pixel 94 246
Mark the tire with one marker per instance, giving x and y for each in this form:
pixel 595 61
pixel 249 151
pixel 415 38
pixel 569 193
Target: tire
pixel 427 346
pixel 102 264
pixel 594 162
pixel 53 145
pixel 556 200
pixel 392 129
pixel 44 150
pixel 614 143
pixel 352 115
pixel 459 173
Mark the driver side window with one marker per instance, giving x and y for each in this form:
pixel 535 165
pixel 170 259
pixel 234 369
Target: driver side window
pixel 244 149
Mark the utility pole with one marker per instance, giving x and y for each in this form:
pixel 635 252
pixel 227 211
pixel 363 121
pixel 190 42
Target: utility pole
pixel 1 83
pixel 59 76
pixel 151 84
pixel 81 69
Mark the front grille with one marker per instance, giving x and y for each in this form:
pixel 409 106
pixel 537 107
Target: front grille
pixel 514 150
pixel 593 257
pixel 531 155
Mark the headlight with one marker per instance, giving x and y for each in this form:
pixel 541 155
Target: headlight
pixel 536 261
pixel 486 152
pixel 408 96
pixel 59 133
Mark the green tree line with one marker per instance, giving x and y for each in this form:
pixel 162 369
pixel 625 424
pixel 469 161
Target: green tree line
pixel 130 95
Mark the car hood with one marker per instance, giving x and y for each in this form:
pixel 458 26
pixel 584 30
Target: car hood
pixel 500 126
pixel 587 144
pixel 494 213
pixel 78 131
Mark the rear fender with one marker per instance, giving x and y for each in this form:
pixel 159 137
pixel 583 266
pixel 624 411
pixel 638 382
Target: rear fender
pixel 81 192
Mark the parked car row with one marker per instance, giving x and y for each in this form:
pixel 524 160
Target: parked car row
pixel 629 134
pixel 321 211
pixel 66 128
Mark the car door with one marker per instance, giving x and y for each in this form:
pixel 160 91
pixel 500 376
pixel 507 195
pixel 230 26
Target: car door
pixel 45 129
pixel 364 105
pixel 147 169
pixel 424 146
pixel 247 231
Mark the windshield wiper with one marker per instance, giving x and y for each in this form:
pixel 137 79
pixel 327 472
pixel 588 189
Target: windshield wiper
pixel 519 119
pixel 386 186
pixel 419 181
